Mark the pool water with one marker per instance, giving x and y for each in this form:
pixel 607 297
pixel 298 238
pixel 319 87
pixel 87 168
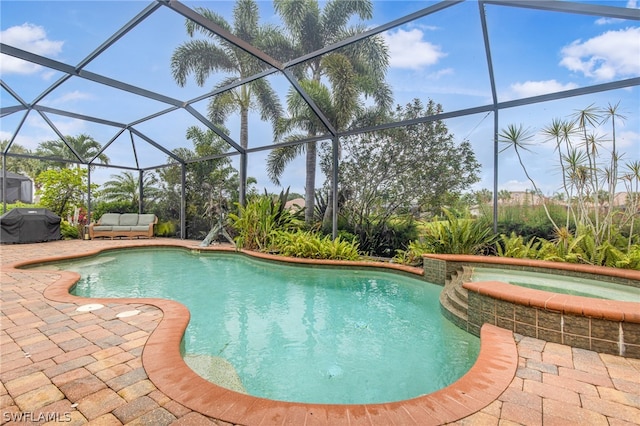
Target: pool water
pixel 559 284
pixel 294 333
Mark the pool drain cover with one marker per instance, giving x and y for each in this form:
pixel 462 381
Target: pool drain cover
pixel 128 313
pixel 90 307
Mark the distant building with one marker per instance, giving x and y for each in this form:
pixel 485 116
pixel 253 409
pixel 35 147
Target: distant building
pixel 295 205
pixel 521 198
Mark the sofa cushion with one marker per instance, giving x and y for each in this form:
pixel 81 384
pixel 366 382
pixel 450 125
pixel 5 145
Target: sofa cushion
pixel 146 219
pixel 140 228
pixel 110 219
pixel 128 219
pixel 102 227
pixel 121 228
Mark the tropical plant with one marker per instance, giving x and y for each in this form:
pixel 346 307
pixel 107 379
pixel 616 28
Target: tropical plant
pixel 591 174
pixel 125 187
pixel 516 246
pixel 166 229
pixel 211 186
pixel 202 58
pixel 311 245
pixel 258 222
pixel 62 190
pixel 412 255
pixel 518 138
pixel 631 181
pixel 380 236
pixel 631 259
pixel 351 71
pixel 458 236
pixel 69 231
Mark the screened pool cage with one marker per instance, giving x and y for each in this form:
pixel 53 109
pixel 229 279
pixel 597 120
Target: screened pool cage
pixel 283 69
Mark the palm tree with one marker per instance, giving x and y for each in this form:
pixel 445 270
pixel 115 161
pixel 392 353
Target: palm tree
pixel 21 165
pixel 561 131
pixel 351 71
pixel 518 138
pixel 201 58
pixel 126 187
pixel 631 180
pixel 84 146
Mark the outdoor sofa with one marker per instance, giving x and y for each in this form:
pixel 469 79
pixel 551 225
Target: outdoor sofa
pixel 123 225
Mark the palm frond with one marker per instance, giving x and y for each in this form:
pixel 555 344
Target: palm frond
pixel 337 14
pixel 267 100
pixel 200 58
pixel 217 19
pixel 515 137
pixel 279 158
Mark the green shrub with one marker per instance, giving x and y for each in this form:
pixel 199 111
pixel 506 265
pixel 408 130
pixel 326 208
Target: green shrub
pixel 515 246
pixel 103 207
pixel 526 220
pixel 166 229
pixel 566 247
pixel 458 236
pixel 19 204
pixel 69 231
pixel 631 260
pixel 382 237
pixel 412 256
pixel 310 245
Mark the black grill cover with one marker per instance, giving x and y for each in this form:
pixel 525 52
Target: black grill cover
pixel 23 225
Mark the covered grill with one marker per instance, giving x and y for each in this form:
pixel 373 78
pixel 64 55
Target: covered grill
pixel 24 225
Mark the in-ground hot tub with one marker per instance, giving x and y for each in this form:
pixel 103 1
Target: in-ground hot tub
pixel 554 283
pixel 607 326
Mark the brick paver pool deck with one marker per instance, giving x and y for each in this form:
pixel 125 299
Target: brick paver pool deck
pixel 61 365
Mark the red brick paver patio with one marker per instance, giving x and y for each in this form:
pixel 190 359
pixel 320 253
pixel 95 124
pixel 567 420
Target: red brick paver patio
pixel 61 365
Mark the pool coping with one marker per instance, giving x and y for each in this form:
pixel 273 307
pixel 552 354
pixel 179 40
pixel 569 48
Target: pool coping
pixel 492 373
pixel 611 310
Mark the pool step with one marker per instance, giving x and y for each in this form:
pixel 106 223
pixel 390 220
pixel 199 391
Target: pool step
pixel 454 300
pixel 462 294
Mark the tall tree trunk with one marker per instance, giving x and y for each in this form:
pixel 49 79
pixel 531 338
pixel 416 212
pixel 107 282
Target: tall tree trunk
pixel 244 143
pixel 310 183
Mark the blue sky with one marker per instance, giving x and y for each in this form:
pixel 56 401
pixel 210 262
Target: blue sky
pixel 439 57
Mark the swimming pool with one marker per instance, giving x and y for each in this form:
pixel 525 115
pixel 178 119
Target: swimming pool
pixel 301 334
pixel 558 283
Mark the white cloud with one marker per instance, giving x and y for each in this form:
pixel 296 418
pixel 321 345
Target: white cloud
pixel 606 21
pixel 611 55
pixel 69 97
pixel 516 186
pixel 535 88
pixel 439 73
pixel 407 49
pixel 65 126
pixel 29 37
pixel 628 139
